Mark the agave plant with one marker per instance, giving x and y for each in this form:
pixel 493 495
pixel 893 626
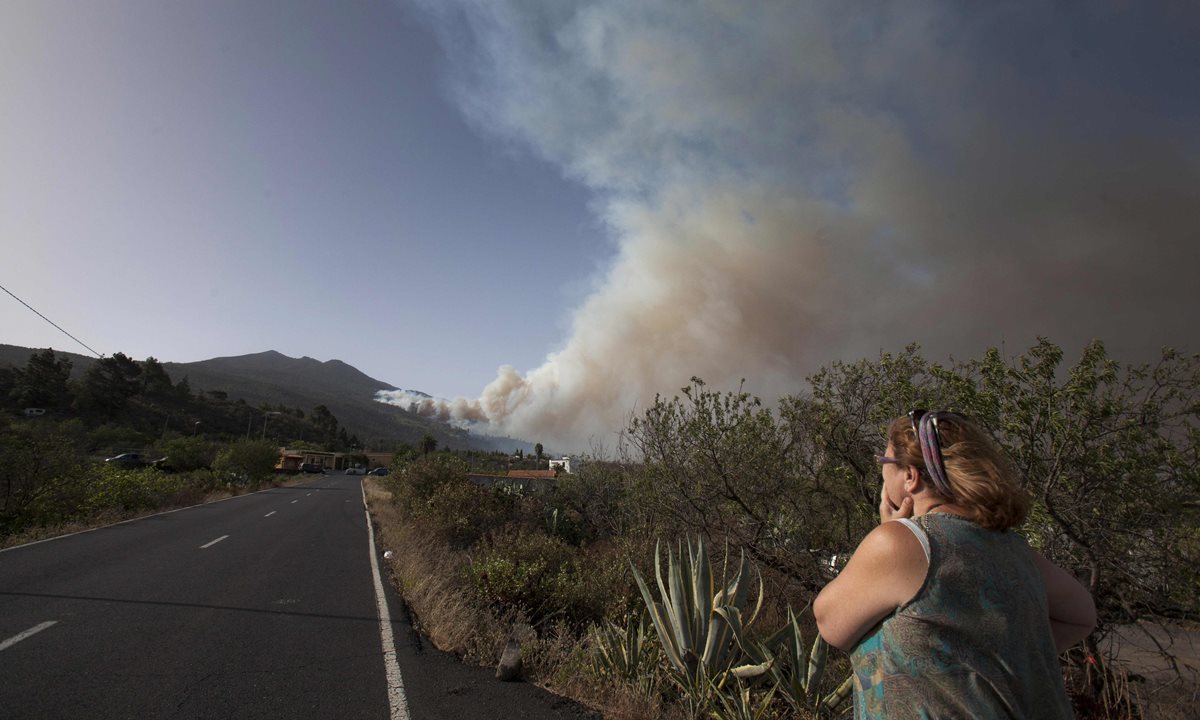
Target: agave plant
pixel 742 705
pixel 797 675
pixel 625 653
pixel 696 621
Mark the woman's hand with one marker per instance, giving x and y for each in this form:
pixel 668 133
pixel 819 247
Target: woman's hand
pixel 888 512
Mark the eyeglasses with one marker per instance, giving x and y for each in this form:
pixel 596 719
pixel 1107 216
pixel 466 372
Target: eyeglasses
pixel 884 460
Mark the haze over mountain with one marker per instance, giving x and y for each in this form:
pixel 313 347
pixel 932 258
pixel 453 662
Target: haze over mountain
pixel 276 379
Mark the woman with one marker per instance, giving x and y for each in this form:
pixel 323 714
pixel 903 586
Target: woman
pixel 946 612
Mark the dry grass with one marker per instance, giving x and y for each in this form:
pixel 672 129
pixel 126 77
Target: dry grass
pixel 429 576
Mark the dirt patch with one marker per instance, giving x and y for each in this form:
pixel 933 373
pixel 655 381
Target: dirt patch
pixel 1143 647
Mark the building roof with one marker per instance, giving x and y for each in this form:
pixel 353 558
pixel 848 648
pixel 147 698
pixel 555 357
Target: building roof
pixel 549 474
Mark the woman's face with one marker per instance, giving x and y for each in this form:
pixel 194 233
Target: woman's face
pixel 893 480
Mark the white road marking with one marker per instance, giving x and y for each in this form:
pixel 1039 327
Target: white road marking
pixel 395 681
pixel 214 542
pixel 295 501
pixel 271 513
pixel 21 636
pixel 133 520
pixel 307 494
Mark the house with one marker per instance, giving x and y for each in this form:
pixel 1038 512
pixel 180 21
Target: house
pixel 377 460
pixel 291 459
pixel 533 474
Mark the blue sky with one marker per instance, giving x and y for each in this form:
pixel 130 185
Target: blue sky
pixel 546 212
pixel 190 180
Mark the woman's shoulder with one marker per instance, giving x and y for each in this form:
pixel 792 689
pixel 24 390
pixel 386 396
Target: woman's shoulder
pixel 890 540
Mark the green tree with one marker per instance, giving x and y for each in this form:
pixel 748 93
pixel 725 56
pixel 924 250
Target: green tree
pixel 428 444
pixel 43 382
pixel 723 465
pixel 109 383
pixel 155 381
pixel 247 461
pixel 1109 452
pixel 326 424
pixel 188 453
pixel 537 449
pixel 183 389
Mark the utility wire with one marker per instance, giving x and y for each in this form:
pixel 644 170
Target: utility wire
pixel 64 332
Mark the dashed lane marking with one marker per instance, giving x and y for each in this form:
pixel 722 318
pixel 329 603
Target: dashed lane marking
pixel 28 633
pixel 271 513
pixel 132 520
pixel 214 542
pixel 295 501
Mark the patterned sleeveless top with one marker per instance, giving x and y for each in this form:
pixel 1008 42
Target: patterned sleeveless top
pixel 974 642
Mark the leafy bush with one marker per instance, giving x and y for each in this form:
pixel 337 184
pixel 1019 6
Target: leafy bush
pixel 413 483
pixel 115 488
pixel 539 575
pixel 435 489
pixel 114 438
pixel 247 461
pixel 44 472
pixel 188 453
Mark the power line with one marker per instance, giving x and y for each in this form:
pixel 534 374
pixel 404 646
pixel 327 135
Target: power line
pixel 64 332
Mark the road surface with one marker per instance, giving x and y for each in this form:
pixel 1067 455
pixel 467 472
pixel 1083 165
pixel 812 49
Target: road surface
pixel 259 606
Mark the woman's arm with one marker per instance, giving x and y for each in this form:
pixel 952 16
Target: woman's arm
pixel 1072 611
pixel 885 571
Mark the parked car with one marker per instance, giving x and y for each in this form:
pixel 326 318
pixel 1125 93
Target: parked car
pixel 379 471
pixel 312 468
pixel 355 471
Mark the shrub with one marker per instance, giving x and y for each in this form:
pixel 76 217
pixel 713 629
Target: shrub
pixel 247 461
pixel 44 468
pixel 114 488
pixel 435 489
pixel 413 483
pixel 528 572
pixel 464 512
pixel 188 453
pixel 115 437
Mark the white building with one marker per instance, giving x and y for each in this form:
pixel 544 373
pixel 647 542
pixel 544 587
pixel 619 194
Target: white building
pixel 564 464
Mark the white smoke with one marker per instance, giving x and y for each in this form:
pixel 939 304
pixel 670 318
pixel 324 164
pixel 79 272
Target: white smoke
pixel 791 183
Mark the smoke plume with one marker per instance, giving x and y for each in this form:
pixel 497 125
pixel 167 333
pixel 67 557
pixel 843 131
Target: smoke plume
pixel 792 183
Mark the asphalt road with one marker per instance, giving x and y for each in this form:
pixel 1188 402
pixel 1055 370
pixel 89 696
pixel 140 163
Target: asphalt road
pixel 260 606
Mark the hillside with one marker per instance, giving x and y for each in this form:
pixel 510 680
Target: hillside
pixel 17 356
pixel 276 379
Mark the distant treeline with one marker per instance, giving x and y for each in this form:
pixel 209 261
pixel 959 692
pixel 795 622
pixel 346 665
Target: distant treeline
pixel 124 404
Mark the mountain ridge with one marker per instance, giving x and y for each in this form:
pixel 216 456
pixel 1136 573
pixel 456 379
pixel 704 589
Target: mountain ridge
pixel 273 378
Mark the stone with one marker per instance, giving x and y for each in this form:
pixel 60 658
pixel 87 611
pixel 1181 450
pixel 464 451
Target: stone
pixel 509 668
